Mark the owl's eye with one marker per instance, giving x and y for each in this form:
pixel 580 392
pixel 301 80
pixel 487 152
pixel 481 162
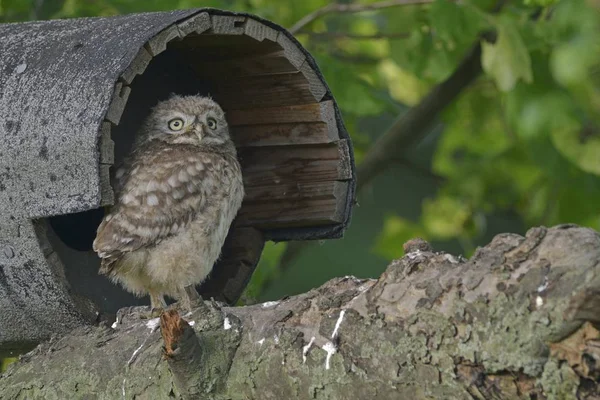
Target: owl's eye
pixel 212 123
pixel 176 124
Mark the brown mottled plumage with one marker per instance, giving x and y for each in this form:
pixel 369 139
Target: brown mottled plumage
pixel 177 195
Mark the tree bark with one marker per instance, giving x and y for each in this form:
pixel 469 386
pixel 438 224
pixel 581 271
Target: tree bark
pixel 519 320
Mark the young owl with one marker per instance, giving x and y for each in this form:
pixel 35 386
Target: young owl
pixel 177 195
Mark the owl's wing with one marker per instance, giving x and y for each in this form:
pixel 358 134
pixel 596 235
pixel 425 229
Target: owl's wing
pixel 155 203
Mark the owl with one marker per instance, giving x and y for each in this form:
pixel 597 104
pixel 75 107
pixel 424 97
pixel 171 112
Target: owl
pixel 176 197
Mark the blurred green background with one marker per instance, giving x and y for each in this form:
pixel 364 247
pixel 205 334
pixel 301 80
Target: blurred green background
pixel 519 147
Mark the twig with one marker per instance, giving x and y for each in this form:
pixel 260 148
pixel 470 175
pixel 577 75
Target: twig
pixel 351 8
pixel 183 353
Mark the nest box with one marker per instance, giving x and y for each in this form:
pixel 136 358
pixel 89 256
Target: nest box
pixel 72 94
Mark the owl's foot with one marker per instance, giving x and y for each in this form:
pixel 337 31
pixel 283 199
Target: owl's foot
pixel 189 299
pixel 157 307
pixel 154 312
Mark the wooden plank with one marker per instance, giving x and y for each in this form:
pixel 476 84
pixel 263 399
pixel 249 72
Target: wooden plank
pixel 284 134
pixel 248 65
pixel 209 48
pixel 263 91
pixel 260 31
pixel 107 145
pixel 317 112
pixel 263 166
pixel 228 25
pixel 198 24
pixel 291 191
pixel 158 43
pixel 295 212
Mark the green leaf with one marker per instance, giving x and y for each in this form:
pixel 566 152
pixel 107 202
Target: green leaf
pixel 579 145
pixel 445 217
pixel 507 60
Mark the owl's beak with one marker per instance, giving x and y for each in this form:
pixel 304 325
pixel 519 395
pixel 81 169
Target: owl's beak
pixel 199 131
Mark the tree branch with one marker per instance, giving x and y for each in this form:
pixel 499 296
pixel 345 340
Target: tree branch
pixel 518 320
pixel 351 8
pixel 411 126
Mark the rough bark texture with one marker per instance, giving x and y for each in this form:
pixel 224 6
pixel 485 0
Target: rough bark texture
pixel 518 320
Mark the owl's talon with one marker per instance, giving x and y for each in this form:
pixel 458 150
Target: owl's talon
pixel 152 313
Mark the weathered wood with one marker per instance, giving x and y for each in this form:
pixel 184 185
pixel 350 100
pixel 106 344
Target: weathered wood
pixel 294 205
pixel 253 64
pixel 288 164
pixel 117 104
pixel 264 91
pixel 293 191
pixel 240 255
pixel 294 213
pixel 260 31
pixel 208 47
pixel 137 66
pixel 227 25
pixel 198 24
pixel 284 134
pixel 316 112
pixel 107 145
pixel 158 43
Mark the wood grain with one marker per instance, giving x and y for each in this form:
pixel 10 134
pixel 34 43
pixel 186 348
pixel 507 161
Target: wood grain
pixel 289 164
pixel 254 64
pixel 211 47
pixel 316 112
pixel 296 212
pixel 284 134
pixel 292 191
pixel 263 91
